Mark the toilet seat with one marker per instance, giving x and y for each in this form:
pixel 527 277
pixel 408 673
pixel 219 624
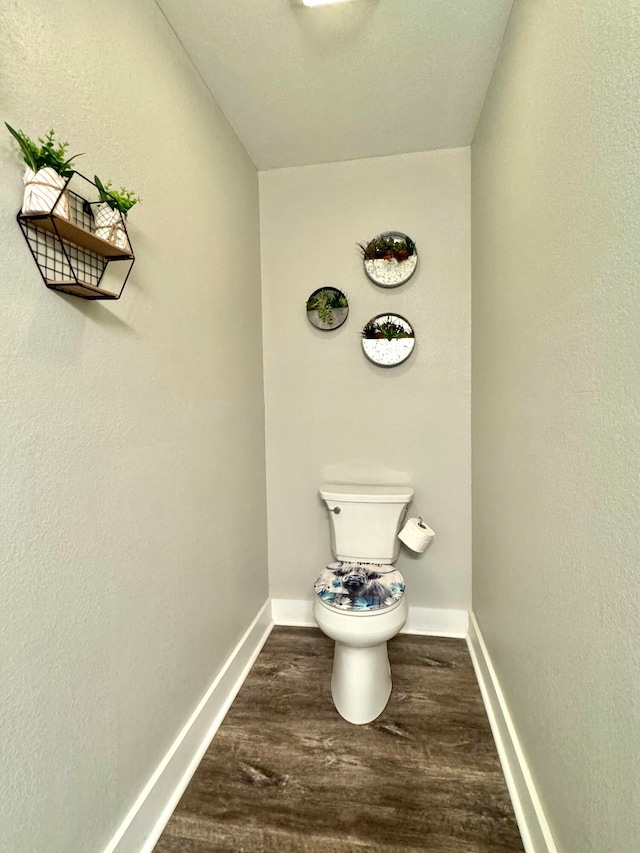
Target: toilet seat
pixel 359 588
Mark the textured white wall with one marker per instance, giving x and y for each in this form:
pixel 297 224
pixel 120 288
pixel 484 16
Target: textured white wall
pixel 556 379
pixel 332 415
pixel 132 450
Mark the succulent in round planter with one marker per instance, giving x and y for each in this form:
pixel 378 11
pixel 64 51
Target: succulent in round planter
pixel 47 173
pixel 327 308
pixel 390 259
pixel 110 213
pixel 388 340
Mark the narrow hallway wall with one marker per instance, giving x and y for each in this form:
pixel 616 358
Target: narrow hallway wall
pixel 556 398
pixel 132 431
pixel 333 416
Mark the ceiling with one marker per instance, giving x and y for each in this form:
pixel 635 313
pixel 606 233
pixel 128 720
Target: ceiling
pixel 362 79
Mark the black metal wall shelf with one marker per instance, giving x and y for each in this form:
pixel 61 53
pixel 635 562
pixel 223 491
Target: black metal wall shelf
pixel 70 256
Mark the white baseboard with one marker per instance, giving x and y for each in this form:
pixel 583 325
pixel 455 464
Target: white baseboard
pixel 140 830
pixel 288 611
pixel 534 828
pixel 421 620
pixel 437 622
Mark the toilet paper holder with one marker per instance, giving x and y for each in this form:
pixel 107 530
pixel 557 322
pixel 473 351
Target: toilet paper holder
pixel 416 535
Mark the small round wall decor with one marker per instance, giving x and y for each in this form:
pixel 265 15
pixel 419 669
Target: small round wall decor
pixel 390 259
pixel 388 340
pixel 327 308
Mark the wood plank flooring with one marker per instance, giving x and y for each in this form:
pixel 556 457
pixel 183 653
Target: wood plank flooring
pixel 286 774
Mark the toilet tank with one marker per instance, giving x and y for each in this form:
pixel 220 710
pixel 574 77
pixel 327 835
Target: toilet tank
pixel 365 520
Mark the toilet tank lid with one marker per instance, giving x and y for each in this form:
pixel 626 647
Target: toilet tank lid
pixel 366 494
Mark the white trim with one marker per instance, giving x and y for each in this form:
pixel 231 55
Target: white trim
pixel 143 825
pixel 534 828
pixel 435 622
pixel 288 611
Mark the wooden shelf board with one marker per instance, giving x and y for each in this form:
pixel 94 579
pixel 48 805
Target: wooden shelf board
pixel 81 288
pixel 74 234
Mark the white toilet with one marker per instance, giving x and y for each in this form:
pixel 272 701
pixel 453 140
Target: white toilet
pixel 359 600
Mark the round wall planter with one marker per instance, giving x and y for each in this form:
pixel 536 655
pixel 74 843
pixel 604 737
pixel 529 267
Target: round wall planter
pixel 327 308
pixel 388 340
pixel 390 259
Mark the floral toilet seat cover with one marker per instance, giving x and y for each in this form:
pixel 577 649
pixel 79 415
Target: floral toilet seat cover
pixel 359 586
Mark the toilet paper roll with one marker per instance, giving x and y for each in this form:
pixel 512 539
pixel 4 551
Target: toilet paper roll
pixel 416 535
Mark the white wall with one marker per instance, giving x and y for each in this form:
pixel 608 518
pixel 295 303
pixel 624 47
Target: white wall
pixel 132 448
pixel 333 416
pixel 556 379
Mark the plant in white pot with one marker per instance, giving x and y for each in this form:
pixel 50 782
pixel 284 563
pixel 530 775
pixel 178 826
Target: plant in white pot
pixel 327 308
pixel 45 177
pixel 388 340
pixel 110 213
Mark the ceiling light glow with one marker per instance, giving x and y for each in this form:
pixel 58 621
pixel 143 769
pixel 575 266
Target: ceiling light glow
pixel 313 3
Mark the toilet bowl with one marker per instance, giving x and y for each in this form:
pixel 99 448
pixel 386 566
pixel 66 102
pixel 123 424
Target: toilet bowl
pixel 361 675
pixel 359 601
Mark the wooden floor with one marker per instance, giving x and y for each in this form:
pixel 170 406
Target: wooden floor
pixel 286 774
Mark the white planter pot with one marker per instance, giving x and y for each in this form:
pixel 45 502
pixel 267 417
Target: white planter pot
pixel 390 273
pixel 388 353
pixel 41 192
pixel 110 225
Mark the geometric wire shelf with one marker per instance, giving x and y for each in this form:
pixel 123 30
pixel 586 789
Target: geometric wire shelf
pixel 69 254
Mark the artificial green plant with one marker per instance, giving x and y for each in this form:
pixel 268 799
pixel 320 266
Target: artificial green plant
pixel 46 152
pixel 388 247
pixel 325 301
pixel 385 330
pixel 122 199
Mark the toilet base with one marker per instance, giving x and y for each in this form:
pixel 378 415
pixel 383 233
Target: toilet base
pixel 360 682
pixel 361 678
